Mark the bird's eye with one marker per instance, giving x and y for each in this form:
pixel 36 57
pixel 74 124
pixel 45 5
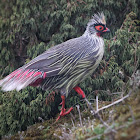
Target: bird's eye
pixel 99 27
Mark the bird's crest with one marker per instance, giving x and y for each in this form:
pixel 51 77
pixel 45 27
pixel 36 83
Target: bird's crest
pixel 98 18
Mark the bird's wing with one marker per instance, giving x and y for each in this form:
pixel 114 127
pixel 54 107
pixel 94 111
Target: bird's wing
pixel 57 60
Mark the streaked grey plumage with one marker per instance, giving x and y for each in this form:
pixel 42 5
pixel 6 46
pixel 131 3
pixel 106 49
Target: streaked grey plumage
pixel 63 66
pixel 76 62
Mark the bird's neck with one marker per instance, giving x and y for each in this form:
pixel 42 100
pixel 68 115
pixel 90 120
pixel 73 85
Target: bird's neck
pixel 95 40
pixel 91 36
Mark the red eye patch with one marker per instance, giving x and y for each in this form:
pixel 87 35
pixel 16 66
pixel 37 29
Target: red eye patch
pixel 99 27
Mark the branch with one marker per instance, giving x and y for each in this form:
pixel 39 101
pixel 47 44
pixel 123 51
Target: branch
pixel 116 102
pixel 97 115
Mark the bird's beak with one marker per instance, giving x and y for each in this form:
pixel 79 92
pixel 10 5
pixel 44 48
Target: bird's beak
pixel 106 30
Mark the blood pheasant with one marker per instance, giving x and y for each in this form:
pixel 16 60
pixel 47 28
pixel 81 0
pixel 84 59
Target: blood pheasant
pixel 63 66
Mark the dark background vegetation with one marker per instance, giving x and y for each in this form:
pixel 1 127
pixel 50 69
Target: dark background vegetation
pixel 28 28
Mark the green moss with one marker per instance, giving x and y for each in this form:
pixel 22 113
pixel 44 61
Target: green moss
pixel 124 113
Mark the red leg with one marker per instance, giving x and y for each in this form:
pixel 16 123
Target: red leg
pixel 63 110
pixel 79 91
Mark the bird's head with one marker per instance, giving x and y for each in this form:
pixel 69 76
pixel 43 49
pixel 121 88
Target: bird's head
pixel 97 25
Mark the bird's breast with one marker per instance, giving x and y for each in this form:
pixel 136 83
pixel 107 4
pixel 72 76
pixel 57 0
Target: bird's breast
pixel 96 48
pixel 96 54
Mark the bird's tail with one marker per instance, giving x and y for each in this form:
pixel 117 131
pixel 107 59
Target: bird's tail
pixel 21 78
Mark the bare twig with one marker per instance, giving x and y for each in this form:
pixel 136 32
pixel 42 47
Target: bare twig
pixel 97 103
pixel 72 118
pixel 40 119
pixel 22 135
pixel 97 115
pixel 131 112
pixel 114 103
pixel 97 136
pixel 80 116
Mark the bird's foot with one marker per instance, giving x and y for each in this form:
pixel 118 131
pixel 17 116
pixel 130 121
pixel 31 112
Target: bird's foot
pixel 64 112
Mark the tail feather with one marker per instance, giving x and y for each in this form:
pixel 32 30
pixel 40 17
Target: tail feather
pixel 22 78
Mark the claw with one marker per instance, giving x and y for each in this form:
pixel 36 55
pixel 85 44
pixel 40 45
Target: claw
pixel 58 118
pixel 64 113
pixel 63 110
pixel 60 103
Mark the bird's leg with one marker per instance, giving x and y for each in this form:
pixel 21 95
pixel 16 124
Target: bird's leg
pixel 63 110
pixel 80 91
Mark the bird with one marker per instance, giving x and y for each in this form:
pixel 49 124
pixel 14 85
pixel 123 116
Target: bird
pixel 63 66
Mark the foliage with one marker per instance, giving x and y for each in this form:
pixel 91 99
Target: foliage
pixel 20 109
pixel 24 24
pixel 123 118
pixel 27 28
